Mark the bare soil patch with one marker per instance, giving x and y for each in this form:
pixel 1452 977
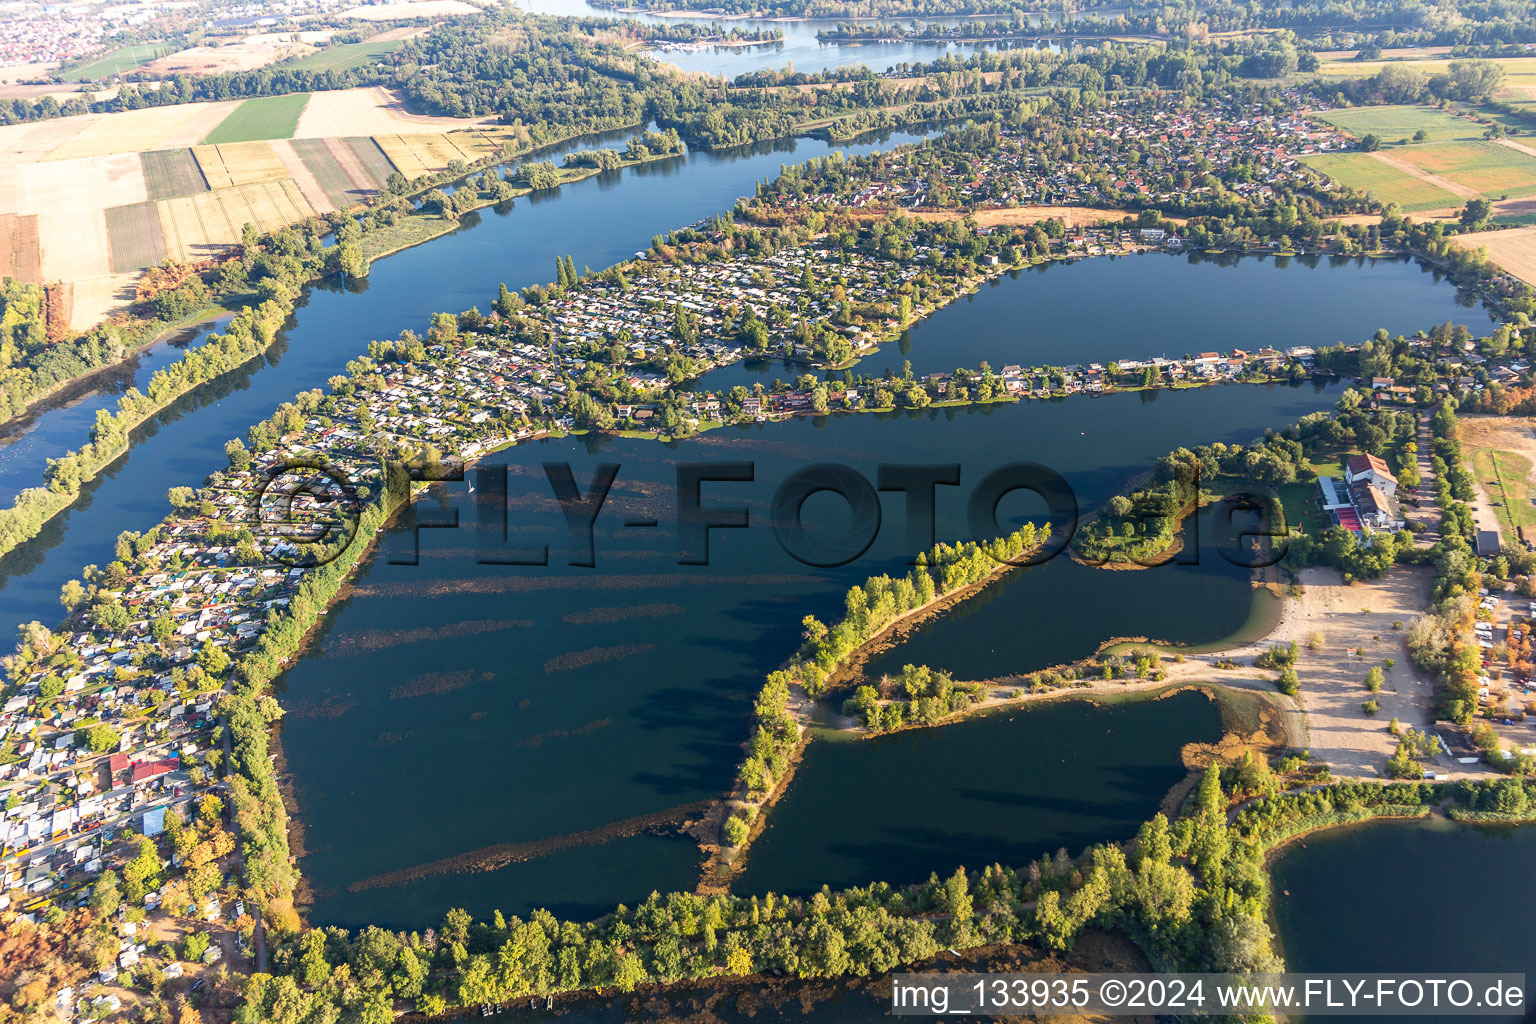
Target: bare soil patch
pixel 1356 623
pixel 247 54
pixel 20 256
pixel 349 112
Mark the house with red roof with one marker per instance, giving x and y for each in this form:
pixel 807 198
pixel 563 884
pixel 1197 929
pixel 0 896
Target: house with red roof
pixel 1370 470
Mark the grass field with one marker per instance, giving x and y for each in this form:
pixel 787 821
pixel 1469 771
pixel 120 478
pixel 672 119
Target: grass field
pixel 1488 168
pixel 1365 173
pixel 345 56
pixel 115 63
pixel 134 237
pixel 270 117
pixel 170 173
pixel 1505 477
pixel 1399 123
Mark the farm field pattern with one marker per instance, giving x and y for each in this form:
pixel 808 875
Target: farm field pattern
pixel 94 200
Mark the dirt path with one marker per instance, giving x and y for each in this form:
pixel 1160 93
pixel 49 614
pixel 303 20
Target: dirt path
pixel 1501 433
pixel 1518 147
pixel 1453 187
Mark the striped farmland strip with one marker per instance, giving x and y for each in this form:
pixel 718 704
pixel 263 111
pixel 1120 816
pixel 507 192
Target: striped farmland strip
pixel 20 255
pixel 401 155
pixel 363 184
pixel 250 162
pixel 134 237
pixel 327 170
pixel 302 177
pixel 212 163
pixel 170 173
pixel 372 158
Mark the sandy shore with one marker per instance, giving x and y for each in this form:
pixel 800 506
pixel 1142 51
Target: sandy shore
pixel 1342 631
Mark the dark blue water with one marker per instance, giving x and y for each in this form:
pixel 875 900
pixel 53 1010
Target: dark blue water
pixel 1162 305
pixel 451 706
pixel 62 424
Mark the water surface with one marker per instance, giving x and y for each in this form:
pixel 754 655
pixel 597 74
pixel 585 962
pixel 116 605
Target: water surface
pixel 1007 787
pixel 1397 896
pixel 1141 307
pixel 533 703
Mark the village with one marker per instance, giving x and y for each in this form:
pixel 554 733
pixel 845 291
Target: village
pixel 1165 153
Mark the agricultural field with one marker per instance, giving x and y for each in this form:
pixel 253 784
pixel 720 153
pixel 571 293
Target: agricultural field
pixel 115 63
pixel 91 200
pixel 1365 173
pixel 1518 88
pixel 1513 249
pixel 345 113
pixel 346 56
pixel 1501 450
pixel 239 163
pixel 415 155
pixel 170 173
pixel 200 226
pixel 135 237
pixel 1504 478
pixel 1399 124
pixel 343 168
pixel 249 53
pixel 400 11
pixel 130 131
pixel 20 256
pixel 269 117
pixel 374 163
pixel 1486 168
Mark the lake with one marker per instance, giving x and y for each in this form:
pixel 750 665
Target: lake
pixel 799 49
pixel 1161 305
pixel 976 640
pixel 449 707
pixel 1397 896
pixel 1006 787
